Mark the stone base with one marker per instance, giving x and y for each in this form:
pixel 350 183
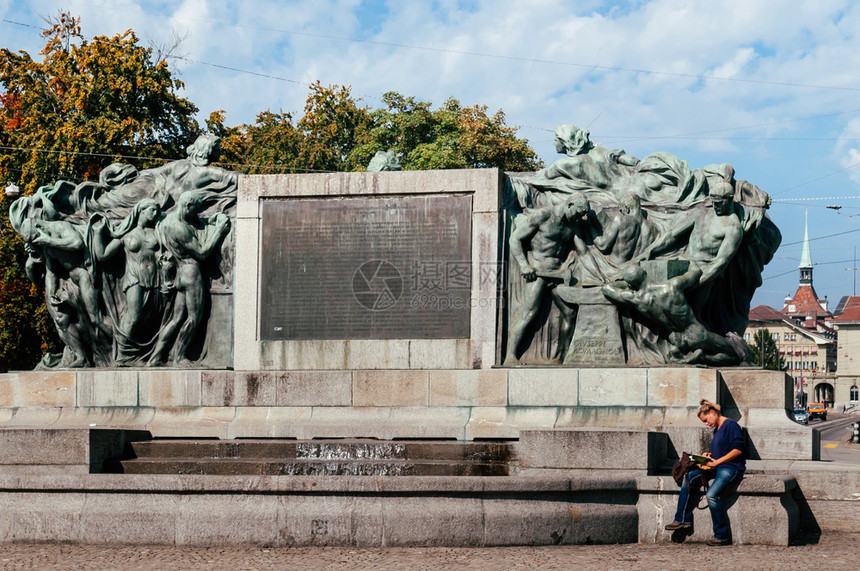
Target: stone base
pixel 317 511
pixel 435 403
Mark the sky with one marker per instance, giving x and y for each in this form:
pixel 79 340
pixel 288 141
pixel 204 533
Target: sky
pixel 770 86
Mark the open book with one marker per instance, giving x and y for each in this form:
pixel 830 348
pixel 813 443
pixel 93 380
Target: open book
pixel 700 459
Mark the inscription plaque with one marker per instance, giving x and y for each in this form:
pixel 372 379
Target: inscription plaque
pixel 366 268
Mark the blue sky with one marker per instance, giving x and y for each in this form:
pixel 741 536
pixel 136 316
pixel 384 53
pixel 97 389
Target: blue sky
pixel 769 86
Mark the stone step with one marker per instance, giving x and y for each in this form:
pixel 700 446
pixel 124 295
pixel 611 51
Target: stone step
pixel 307 467
pixel 345 449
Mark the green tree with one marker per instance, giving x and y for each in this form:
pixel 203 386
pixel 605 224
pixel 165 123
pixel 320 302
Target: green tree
pixel 66 115
pixel 450 137
pixel 337 133
pixel 764 344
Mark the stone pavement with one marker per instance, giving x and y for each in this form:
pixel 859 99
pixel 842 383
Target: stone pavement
pixel 833 551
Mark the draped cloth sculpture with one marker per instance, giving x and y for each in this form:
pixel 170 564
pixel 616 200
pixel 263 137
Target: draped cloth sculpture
pixel 130 264
pixel 697 238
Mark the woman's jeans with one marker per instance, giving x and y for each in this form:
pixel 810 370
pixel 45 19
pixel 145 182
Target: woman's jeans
pixel 687 501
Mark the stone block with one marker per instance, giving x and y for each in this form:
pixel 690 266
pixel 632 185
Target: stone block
pixel 390 388
pixel 543 387
pixel 745 388
pixel 783 442
pixel 681 387
pixel 107 388
pixel 166 387
pixel 38 388
pixel 486 387
pixel 44 446
pixel 321 520
pixel 202 422
pixel 129 519
pixel 314 388
pixel 217 388
pixel 240 388
pixel 439 354
pixel 638 417
pixel 597 448
pixel 506 422
pixel 129 417
pixel 613 387
pixel 269 422
pixel 385 422
pixel 434 521
pixel 227 520
pixel 40 517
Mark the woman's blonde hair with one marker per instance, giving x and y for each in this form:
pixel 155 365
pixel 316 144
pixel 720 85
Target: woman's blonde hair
pixel 706 406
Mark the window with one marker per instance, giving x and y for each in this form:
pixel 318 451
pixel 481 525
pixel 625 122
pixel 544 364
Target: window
pixel 775 336
pixel 806 364
pixel 746 337
pixel 794 336
pixel 854 393
pixel 785 336
pixel 797 364
pixel 813 364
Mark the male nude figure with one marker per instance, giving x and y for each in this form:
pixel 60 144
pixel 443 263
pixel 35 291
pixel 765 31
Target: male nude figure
pixel 665 306
pixel 553 234
pixel 624 236
pixel 714 234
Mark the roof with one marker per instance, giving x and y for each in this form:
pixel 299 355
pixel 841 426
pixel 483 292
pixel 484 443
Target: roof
pixel 847 302
pixel 805 300
pixel 765 313
pixel 851 314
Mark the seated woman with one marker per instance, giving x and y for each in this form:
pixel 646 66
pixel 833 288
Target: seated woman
pixel 726 467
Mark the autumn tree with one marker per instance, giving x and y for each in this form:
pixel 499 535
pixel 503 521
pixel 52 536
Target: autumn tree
pixel 338 133
pixel 80 106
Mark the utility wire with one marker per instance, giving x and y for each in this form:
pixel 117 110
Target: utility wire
pixel 432 49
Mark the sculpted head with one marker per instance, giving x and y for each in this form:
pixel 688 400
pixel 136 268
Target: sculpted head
pixel 206 149
pixel 190 202
pixel 634 276
pixel 576 206
pixel 572 140
pixel 384 161
pixel 629 203
pixel 722 197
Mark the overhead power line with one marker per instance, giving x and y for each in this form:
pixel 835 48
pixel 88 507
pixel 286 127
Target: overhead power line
pixel 589 66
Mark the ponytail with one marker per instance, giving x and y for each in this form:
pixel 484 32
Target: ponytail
pixel 706 406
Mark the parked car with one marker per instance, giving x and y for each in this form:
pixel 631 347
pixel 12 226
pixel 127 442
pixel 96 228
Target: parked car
pixel 801 416
pixel 817 410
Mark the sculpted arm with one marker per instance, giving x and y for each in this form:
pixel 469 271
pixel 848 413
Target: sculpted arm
pixel 618 295
pixel 670 238
pixel 606 241
pixel 62 237
pixel 524 231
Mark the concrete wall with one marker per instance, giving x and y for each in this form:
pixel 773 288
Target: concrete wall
pixel 477 352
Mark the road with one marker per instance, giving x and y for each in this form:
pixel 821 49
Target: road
pixel 834 435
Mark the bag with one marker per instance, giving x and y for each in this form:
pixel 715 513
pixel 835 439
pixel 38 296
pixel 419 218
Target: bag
pixel 681 467
pixel 679 472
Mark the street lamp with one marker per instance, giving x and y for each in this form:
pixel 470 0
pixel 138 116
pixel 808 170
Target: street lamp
pixel 12 190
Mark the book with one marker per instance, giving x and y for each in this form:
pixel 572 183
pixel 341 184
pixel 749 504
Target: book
pixel 700 459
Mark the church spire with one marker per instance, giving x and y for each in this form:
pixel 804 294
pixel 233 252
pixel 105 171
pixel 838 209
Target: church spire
pixel 805 257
